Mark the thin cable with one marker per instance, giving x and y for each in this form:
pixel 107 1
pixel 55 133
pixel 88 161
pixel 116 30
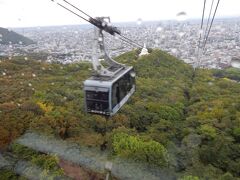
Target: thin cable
pixel 73 12
pixel 126 39
pixel 131 40
pixel 93 18
pixel 209 16
pixel 77 8
pixel 210 25
pixel 129 43
pixel 201 27
pixel 203 13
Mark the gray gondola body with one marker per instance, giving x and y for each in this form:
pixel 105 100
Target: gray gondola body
pixel 106 95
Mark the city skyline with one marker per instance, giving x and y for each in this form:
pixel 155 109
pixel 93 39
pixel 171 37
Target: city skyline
pixel 68 44
pixel 30 13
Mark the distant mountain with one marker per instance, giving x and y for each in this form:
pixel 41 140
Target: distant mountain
pixel 7 36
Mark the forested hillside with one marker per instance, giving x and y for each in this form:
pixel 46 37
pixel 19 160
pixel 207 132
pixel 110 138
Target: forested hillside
pixel 7 37
pixel 179 119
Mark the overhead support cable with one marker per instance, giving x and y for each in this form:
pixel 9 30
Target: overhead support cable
pixel 73 12
pixel 200 32
pixel 133 42
pixel 98 23
pixel 208 21
pixel 77 8
pixel 129 43
pixel 205 42
pixel 203 13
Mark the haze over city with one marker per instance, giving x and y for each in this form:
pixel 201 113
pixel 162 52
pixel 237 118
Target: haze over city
pixel 73 42
pixel 28 13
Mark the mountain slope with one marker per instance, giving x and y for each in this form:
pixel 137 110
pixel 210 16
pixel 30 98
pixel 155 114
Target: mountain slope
pixel 190 118
pixel 7 36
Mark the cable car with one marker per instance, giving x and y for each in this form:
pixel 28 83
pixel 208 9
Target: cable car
pixel 106 95
pixel 111 87
pixel 113 84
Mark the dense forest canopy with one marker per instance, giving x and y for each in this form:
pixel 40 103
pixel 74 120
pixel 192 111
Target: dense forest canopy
pixel 179 118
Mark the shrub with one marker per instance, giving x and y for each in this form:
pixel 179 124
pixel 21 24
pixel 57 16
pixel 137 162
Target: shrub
pixel 208 131
pixel 236 134
pixel 189 178
pixel 164 111
pixel 133 147
pixel 33 107
pixel 227 176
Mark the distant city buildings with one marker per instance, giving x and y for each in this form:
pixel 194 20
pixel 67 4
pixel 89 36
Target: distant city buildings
pixel 68 44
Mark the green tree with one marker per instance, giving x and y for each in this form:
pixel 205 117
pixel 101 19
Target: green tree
pixel 133 147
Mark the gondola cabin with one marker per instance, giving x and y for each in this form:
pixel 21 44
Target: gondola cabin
pixel 106 95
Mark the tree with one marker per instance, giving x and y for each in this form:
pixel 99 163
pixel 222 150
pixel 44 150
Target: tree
pixel 236 134
pixel 133 147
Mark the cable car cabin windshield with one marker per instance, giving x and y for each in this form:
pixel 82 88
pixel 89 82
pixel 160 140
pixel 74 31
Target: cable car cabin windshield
pixel 97 101
pixel 105 95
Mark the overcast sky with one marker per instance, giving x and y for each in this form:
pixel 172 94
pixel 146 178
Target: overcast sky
pixel 23 13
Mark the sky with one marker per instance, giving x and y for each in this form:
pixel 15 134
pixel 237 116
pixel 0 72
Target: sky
pixel 31 13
